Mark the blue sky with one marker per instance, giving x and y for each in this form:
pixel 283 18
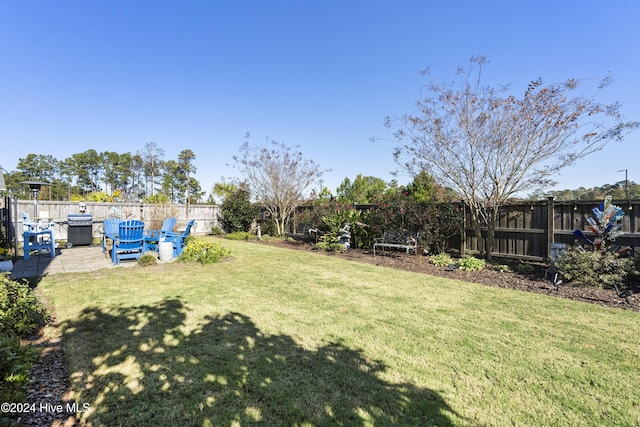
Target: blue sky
pixel 199 75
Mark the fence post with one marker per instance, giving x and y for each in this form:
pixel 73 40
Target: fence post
pixel 550 224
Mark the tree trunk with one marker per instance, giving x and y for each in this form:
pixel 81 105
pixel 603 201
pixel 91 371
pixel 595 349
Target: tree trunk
pixel 491 232
pixel 280 225
pixel 475 217
pixel 276 222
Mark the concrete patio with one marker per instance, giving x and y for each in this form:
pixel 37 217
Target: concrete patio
pixel 71 260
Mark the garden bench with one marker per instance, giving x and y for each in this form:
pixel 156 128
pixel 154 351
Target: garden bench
pixel 397 239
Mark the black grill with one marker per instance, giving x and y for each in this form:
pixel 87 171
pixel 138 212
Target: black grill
pixel 80 229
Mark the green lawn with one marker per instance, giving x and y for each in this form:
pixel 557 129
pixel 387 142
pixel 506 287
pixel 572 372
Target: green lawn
pixel 283 337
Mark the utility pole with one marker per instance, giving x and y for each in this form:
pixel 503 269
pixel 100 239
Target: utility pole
pixel 626 183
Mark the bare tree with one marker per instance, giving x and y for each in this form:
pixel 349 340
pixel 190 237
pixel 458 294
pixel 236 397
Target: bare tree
pixel 278 176
pixel 152 156
pixel 489 145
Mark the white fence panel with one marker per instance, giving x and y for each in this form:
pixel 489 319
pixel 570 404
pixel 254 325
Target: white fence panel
pixel 205 216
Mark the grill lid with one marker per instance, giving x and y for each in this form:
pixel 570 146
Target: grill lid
pixel 80 219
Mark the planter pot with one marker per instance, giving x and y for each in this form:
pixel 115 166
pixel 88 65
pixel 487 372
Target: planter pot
pixel 165 251
pixel 6 266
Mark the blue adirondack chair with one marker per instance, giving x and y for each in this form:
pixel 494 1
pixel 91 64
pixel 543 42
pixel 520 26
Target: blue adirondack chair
pixel 178 239
pixel 129 243
pixel 27 224
pixel 37 236
pixel 111 230
pixel 152 237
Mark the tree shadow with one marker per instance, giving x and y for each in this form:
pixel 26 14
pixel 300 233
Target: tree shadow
pixel 137 366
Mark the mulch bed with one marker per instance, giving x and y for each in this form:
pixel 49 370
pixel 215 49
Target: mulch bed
pixel 49 386
pixel 50 376
pixel 490 277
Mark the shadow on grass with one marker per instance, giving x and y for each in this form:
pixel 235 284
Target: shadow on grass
pixel 136 366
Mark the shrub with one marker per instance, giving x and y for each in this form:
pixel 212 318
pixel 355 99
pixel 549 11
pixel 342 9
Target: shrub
pixel 146 260
pixel 441 260
pixel 635 274
pixel 267 228
pixel 217 230
pixel 439 223
pixel 237 211
pixel 15 366
pixel 602 269
pixel 334 223
pixel 330 246
pixel 524 268
pixel 20 311
pixel 436 222
pixel 308 217
pixel 203 252
pixel 470 263
pixel 394 210
pixel 502 268
pixel 329 216
pixel 20 314
pixel 240 235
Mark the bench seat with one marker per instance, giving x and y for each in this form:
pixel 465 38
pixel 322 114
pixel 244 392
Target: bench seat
pixel 397 239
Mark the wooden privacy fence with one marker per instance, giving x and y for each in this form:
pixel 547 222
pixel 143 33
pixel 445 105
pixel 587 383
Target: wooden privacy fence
pixel 526 230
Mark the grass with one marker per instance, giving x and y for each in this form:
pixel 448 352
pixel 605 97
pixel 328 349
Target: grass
pixel 281 337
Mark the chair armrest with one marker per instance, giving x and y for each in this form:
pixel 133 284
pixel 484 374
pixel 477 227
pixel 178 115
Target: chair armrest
pixel 173 234
pixel 151 234
pixel 44 225
pixel 31 225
